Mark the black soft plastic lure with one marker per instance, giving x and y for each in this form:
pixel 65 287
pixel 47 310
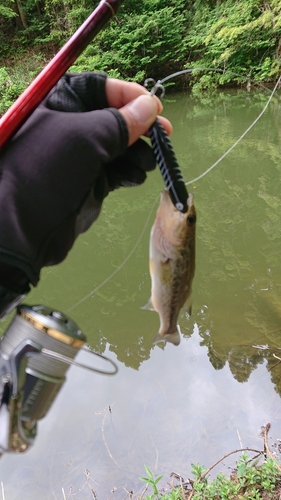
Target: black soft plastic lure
pixel 165 156
pixel 169 167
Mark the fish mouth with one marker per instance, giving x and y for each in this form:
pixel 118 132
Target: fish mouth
pixel 165 198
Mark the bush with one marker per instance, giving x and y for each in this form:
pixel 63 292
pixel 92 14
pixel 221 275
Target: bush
pixel 9 90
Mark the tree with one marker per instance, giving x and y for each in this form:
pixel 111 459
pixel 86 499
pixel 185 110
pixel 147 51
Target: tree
pixel 241 37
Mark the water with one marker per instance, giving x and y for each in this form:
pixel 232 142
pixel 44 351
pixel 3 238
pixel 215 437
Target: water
pixel 170 406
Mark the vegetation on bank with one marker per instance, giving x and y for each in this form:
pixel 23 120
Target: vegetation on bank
pixel 248 481
pixel 251 479
pixel 255 476
pixel 152 38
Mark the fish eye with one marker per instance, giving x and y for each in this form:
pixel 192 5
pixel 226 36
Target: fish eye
pixel 191 219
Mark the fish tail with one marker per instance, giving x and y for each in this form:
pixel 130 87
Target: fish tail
pixel 173 337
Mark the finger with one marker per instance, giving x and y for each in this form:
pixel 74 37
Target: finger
pixel 140 114
pixel 165 123
pixel 119 93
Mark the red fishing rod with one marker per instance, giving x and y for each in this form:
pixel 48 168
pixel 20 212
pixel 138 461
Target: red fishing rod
pixel 22 108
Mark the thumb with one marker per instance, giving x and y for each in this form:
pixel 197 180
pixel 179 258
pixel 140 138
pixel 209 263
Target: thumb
pixel 140 114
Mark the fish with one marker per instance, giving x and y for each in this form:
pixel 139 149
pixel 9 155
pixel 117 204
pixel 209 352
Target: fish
pixel 171 265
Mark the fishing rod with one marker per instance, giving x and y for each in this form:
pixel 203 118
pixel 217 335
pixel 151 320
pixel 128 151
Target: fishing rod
pixel 22 108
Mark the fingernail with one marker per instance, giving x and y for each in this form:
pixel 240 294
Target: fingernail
pixel 159 104
pixel 145 106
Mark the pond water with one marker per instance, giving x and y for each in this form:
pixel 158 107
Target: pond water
pixel 170 406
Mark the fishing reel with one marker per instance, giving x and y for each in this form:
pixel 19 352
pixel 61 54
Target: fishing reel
pixel 36 351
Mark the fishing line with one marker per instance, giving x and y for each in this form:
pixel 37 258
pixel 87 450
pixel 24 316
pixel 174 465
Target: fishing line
pixel 239 139
pixel 121 265
pixel 158 84
pixel 215 70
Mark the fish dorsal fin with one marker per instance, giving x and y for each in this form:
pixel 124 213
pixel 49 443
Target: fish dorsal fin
pixel 149 306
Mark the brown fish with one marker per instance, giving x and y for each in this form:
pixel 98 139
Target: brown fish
pixel 171 265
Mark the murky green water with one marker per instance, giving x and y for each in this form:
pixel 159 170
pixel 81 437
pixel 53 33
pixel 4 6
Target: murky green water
pixel 170 405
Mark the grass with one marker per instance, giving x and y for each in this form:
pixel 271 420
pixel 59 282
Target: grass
pixel 249 480
pixel 256 476
pixel 16 74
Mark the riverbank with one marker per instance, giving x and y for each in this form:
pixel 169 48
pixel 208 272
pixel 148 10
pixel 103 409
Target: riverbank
pixel 18 72
pixel 154 39
pixel 257 476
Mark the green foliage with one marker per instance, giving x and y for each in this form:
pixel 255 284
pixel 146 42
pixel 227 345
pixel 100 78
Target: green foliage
pixel 6 10
pixel 241 38
pixel 249 481
pixel 154 38
pixel 153 480
pixel 9 90
pixel 172 495
pixel 139 45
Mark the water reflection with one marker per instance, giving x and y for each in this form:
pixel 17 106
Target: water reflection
pixel 173 411
pixel 171 406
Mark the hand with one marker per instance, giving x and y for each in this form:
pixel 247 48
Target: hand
pixel 136 105
pixel 82 142
pixel 139 110
pixel 135 110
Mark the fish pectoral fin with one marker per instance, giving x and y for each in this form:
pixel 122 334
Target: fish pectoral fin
pixel 149 306
pixel 188 305
pixel 173 337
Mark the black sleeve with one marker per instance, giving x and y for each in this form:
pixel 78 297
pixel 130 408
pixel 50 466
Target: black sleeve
pixel 55 173
pixel 51 168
